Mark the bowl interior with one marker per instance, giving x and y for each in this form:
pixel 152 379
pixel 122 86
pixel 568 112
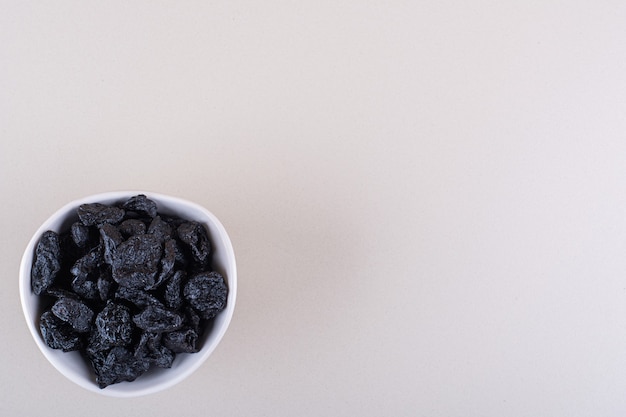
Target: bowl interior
pixel 72 364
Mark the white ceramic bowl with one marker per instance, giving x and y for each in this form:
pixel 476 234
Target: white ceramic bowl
pixel 72 364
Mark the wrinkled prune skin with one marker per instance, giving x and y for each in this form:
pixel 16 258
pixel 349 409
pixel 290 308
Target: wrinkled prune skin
pixel 111 239
pixel 150 348
pixel 118 365
pixel 113 326
pixel 206 292
pixel 195 236
pixel 157 319
pixel 127 286
pixel 88 264
pixel 181 341
pixel 97 214
pixel 142 205
pixel 137 297
pixel 173 295
pixel 132 227
pixel 136 261
pixel 47 262
pixel 74 312
pixel 160 229
pixel 167 263
pixel 80 234
pixel 57 334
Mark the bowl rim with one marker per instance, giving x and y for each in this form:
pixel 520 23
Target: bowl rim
pixel 199 358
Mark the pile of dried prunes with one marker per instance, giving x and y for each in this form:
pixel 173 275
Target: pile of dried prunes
pixel 127 286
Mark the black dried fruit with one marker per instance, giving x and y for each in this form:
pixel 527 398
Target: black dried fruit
pixel 73 312
pixel 181 341
pixel 113 326
pixel 47 262
pixel 141 204
pixel 195 236
pixel 127 286
pixel 160 229
pixel 167 263
pixel 150 348
pixel 57 334
pixel 206 292
pixel 139 298
pixel 132 227
pixel 87 265
pixel 96 214
pixel 173 295
pixel 80 234
pixel 117 365
pixel 158 319
pixel 136 261
pixel 111 238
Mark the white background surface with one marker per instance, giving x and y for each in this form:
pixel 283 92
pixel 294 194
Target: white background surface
pixel 427 199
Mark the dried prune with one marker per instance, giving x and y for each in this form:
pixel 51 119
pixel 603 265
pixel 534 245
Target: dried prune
pixel 160 229
pixel 96 214
pixel 206 292
pixel 150 348
pixel 117 287
pixel 113 326
pixel 195 236
pixel 73 312
pixel 181 341
pixel 111 238
pixel 158 319
pixel 132 227
pixel 88 264
pixel 57 334
pixel 118 365
pixel 47 262
pixel 136 261
pixel 139 298
pixel 80 234
pixel 141 204
pixel 173 291
pixel 167 263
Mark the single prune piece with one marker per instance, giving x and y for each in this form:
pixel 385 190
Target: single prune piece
pixel 47 262
pixel 136 261
pixel 111 238
pixel 141 204
pixel 158 319
pixel 160 229
pixel 195 236
pixel 74 312
pixel 57 334
pixel 80 234
pixel 167 263
pixel 86 288
pixel 139 298
pixel 132 227
pixel 150 348
pixel 118 365
pixel 192 320
pixel 96 213
pixel 206 292
pixel 113 325
pixel 181 341
pixel 88 264
pixel 173 290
